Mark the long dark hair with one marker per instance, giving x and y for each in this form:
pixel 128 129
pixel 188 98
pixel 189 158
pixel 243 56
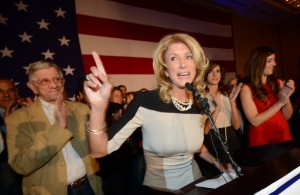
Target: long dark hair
pixel 256 66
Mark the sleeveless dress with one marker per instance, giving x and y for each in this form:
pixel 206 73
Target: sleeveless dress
pixel 276 129
pixel 223 123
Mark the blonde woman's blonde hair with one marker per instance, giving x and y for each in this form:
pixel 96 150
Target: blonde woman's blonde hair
pixel 160 66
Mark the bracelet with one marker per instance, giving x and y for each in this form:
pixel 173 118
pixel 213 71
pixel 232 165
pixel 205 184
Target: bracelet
pixel 96 131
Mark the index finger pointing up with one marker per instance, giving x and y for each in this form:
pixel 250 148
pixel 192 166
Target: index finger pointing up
pixel 98 63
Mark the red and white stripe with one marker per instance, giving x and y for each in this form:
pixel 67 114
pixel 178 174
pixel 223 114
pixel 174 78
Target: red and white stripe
pixel 125 35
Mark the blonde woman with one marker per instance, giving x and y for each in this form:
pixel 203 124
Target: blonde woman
pixel 171 124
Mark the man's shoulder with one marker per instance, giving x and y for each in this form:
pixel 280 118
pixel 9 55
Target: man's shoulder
pixel 76 105
pixel 20 113
pixel 73 103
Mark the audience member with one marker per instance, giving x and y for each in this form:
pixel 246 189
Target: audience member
pixel 129 97
pixel 10 181
pixel 224 112
pixel 46 141
pixel 138 165
pixel 115 167
pixel 80 95
pixel 171 124
pixel 231 83
pixel 116 95
pixel 115 109
pixel 123 89
pixel 266 99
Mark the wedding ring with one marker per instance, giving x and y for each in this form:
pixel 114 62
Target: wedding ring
pixel 87 77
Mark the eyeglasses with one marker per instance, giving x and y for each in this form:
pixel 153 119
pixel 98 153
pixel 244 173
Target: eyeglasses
pixel 9 91
pixel 46 82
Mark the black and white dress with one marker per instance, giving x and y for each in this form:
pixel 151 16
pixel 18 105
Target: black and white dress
pixel 170 139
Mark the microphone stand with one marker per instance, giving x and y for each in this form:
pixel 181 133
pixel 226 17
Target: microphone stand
pixel 204 107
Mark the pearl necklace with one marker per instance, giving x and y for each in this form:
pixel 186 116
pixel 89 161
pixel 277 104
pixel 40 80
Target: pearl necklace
pixel 182 106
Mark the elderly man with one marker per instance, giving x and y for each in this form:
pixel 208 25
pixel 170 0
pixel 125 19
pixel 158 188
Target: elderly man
pixel 47 141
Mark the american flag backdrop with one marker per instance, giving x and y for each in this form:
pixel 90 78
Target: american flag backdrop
pixel 37 30
pixel 123 32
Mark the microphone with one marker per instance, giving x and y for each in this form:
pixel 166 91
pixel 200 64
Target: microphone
pixel 204 106
pixel 203 102
pixel 191 88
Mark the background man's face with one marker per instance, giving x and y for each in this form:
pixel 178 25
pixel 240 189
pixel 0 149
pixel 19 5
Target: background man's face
pixel 8 93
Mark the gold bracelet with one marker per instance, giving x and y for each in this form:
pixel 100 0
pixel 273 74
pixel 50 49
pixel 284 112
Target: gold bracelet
pixel 96 131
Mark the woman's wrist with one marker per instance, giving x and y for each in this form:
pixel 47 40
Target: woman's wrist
pixel 218 165
pixel 233 103
pixel 96 131
pixel 218 108
pixel 215 162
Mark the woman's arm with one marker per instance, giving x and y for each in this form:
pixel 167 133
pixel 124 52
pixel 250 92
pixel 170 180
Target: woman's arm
pixel 207 156
pixel 287 109
pixel 98 90
pixel 250 109
pixel 235 116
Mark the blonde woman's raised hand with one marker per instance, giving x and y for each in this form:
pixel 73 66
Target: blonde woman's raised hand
pixel 97 86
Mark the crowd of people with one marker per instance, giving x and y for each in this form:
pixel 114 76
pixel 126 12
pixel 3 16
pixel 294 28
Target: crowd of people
pixel 113 141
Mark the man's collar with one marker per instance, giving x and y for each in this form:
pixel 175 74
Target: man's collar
pixel 45 104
